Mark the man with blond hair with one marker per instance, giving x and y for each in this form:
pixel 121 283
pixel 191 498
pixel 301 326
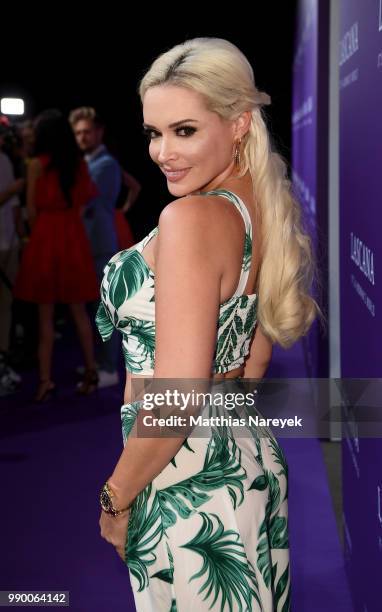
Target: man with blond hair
pixel 99 217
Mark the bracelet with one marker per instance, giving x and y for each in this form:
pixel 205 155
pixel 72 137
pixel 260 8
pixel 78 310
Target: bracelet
pixel 107 504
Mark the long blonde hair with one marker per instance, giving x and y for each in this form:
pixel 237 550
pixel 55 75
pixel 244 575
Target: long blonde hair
pixel 219 71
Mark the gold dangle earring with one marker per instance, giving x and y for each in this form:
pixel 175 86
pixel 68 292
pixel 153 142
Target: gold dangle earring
pixel 237 153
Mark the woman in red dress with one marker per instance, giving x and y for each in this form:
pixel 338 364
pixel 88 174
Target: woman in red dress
pixel 57 264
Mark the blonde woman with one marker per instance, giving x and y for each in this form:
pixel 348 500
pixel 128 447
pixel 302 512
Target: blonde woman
pixel 202 522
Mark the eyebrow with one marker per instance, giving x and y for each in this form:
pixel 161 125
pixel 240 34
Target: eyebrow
pixel 172 125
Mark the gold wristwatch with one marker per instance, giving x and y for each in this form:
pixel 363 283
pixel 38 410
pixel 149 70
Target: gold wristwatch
pixel 107 503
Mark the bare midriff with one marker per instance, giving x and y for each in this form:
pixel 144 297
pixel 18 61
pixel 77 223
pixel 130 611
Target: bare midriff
pixel 236 373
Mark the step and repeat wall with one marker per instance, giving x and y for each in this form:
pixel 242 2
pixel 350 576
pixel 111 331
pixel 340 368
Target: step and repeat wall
pixel 360 181
pixel 309 148
pixel 356 38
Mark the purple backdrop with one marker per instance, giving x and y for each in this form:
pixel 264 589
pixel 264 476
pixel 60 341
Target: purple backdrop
pixel 360 60
pixel 309 149
pixel 360 186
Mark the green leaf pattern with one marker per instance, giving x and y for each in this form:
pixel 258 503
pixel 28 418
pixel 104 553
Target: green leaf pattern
pixel 237 320
pixel 232 571
pixel 104 322
pixel 226 573
pixel 128 303
pixel 145 531
pixel 129 413
pixel 221 468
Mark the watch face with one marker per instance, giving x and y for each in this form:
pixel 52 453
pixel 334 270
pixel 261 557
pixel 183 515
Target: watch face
pixel 105 501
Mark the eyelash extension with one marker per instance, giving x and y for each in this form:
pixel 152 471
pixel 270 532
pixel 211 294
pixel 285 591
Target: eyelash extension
pixel 152 134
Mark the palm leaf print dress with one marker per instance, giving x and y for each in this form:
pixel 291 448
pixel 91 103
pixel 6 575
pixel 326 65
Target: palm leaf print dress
pixel 211 531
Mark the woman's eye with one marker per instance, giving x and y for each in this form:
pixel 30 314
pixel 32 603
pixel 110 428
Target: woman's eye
pixel 149 134
pixel 185 131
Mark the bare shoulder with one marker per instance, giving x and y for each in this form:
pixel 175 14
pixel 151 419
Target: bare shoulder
pixel 207 217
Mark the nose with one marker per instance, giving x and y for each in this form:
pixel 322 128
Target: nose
pixel 166 151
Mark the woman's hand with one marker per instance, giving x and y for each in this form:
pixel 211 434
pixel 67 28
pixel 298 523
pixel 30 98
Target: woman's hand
pixel 114 530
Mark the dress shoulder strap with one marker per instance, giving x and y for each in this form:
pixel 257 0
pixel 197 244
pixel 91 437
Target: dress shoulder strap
pixel 247 254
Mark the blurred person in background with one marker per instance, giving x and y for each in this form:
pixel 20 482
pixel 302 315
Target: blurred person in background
pixel 28 138
pixel 57 265
pixel 10 189
pixel 24 331
pixel 99 219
